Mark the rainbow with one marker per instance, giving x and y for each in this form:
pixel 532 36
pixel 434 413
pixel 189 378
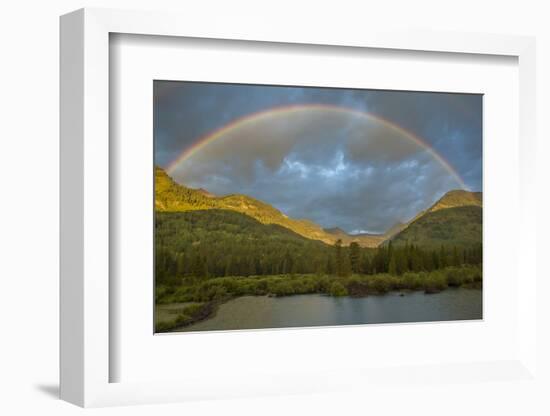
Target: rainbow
pixel 290 109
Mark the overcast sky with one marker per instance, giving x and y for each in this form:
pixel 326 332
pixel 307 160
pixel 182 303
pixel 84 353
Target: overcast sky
pixel 335 168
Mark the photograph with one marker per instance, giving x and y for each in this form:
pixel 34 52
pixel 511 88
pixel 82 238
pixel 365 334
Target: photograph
pixel 282 206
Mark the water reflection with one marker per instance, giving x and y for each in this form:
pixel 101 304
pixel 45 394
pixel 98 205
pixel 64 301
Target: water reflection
pixel 253 312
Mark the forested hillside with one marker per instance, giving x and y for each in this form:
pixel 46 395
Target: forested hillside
pixel 214 243
pixel 459 226
pixel 454 220
pixel 173 197
pixel 225 243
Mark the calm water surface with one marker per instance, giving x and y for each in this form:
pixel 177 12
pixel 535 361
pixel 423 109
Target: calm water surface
pixel 253 312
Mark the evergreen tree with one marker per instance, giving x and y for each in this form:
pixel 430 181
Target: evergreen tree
pixel 416 260
pixel 199 266
pixel 456 257
pixel 435 260
pixel 392 268
pixel 320 268
pixel 443 257
pixel 386 256
pixel 354 257
pixel 331 265
pixel 366 267
pixel 346 266
pixel 401 262
pixel 205 267
pixel 251 267
pixel 339 257
pixel 181 264
pixel 428 261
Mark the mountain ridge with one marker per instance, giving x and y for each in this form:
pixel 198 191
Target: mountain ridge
pixel 457 198
pixel 171 196
pixel 455 218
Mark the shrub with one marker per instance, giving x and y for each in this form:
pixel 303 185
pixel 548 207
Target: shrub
pixel 261 287
pixel 357 286
pixel 435 282
pixel 230 285
pixel 164 326
pixel 477 275
pixel 412 281
pixel 380 283
pixel 323 284
pixel 338 289
pixel 394 282
pixel 282 288
pixel 464 275
pixel 191 310
pixel 182 319
pixel 454 277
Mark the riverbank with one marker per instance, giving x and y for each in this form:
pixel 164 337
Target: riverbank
pixel 204 297
pixel 298 311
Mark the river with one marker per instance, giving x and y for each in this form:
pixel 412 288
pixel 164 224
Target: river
pixel 254 312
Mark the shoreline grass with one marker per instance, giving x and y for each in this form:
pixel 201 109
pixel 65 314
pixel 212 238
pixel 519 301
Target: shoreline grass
pixel 205 296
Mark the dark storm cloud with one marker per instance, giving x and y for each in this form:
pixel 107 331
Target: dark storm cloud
pixel 335 169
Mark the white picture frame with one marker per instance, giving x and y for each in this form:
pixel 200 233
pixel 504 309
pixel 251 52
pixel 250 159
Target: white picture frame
pixel 85 212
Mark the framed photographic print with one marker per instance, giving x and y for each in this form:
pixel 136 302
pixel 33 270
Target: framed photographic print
pixel 280 206
pixel 271 212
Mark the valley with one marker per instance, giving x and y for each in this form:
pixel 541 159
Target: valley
pixel 212 249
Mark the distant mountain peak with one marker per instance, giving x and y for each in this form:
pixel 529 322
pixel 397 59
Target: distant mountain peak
pixel 454 219
pixel 206 193
pixel 457 198
pixel 334 230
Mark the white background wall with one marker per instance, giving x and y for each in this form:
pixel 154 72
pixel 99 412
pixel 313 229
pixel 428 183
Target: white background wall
pixel 29 204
